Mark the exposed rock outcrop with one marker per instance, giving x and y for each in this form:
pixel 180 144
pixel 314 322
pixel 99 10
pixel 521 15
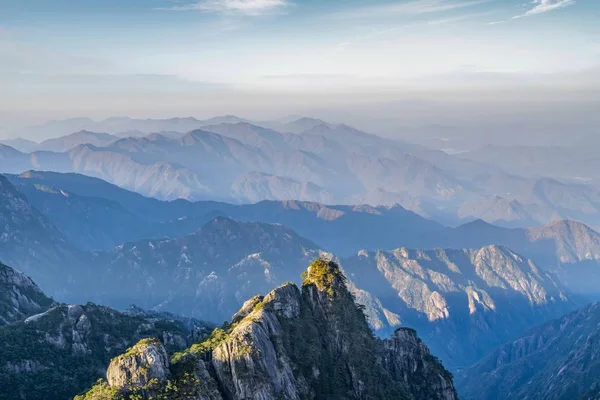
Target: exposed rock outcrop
pixel 292 344
pixel 19 296
pixel 147 363
pixel 60 352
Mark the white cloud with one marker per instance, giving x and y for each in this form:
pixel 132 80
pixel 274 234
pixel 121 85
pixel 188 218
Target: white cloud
pixel 414 7
pixel 542 6
pixel 245 7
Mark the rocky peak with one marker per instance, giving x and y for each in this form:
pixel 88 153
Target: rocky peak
pixel 144 364
pixel 326 277
pixel 292 344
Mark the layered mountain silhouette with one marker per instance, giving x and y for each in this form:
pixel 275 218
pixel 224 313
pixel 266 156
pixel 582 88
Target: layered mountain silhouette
pixel 474 299
pixel 236 160
pixel 556 361
pixel 332 227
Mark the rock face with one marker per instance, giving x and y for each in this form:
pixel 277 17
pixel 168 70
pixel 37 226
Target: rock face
pixel 62 351
pixel 406 355
pixel 145 363
pixel 19 296
pixel 464 303
pixel 557 361
pixel 312 343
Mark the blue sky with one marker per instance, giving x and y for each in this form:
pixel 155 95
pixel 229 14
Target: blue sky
pixel 88 48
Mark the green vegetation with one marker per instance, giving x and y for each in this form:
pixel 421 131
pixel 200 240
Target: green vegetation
pixel 134 350
pixel 101 391
pixel 218 336
pixel 47 344
pixel 325 275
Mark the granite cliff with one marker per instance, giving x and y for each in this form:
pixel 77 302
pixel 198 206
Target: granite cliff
pixel 293 343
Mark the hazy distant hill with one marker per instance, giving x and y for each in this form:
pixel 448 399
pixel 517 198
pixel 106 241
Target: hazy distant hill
pixel 19 296
pixel 66 143
pixel 29 241
pixel 508 213
pixel 333 227
pixel 573 163
pixel 208 161
pixel 557 361
pixel 22 145
pixel 87 222
pixel 255 186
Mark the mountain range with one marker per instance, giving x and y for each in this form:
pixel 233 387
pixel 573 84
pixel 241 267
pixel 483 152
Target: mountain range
pixel 568 248
pixel 474 299
pixel 556 361
pixel 463 302
pixel 196 221
pixel 69 198
pixel 236 160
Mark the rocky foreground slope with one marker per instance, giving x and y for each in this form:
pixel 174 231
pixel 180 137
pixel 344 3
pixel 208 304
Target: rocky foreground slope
pixel 291 344
pixel 53 351
pixel 57 354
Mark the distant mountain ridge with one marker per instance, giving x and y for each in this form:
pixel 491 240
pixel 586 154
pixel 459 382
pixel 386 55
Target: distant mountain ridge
pixel 464 302
pixel 206 273
pixel 329 226
pixel 556 361
pixel 228 159
pixel 28 239
pixel 569 248
pixel 66 143
pixel 339 159
pixel 19 296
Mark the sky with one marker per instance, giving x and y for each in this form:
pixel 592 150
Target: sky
pixel 62 58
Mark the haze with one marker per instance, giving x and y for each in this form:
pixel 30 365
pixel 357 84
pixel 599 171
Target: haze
pixel 394 66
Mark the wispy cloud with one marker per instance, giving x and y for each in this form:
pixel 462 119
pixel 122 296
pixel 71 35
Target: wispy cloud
pixel 457 18
pixel 542 6
pixel 414 7
pixel 244 7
